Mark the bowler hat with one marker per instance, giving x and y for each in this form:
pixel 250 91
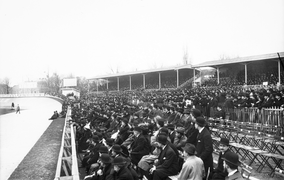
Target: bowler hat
pixel 232 158
pixel 165 130
pixel 109 141
pixel 196 113
pixel 125 120
pixel 96 139
pixel 103 149
pixel 105 158
pixel 200 121
pixel 118 161
pixel 189 148
pixel 162 139
pixel 116 148
pixel 224 141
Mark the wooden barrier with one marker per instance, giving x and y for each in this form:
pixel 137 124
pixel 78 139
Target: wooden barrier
pixel 67 165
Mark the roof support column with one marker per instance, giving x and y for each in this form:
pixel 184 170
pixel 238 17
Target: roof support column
pixel 177 79
pixel 144 82
pixel 117 83
pixel 130 83
pixel 193 77
pixel 279 71
pixel 218 77
pixel 246 73
pixel 159 80
pixel 107 84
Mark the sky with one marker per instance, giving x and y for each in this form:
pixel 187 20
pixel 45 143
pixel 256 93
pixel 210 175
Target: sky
pixel 98 37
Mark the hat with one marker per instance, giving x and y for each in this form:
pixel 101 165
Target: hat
pixel 96 139
pixel 137 128
pixel 232 158
pixel 171 127
pixel 200 121
pixel 196 113
pixel 164 130
pixel 162 139
pixel 105 158
pixel 189 148
pixel 224 141
pixel 116 148
pixel 100 135
pixel 180 130
pixel 109 141
pixel 103 149
pixel 119 161
pixel 125 120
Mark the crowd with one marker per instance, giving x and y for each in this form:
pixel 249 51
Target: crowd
pixel 254 78
pixel 158 134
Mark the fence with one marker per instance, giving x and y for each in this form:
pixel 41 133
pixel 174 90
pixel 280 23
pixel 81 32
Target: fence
pixel 67 165
pixel 266 116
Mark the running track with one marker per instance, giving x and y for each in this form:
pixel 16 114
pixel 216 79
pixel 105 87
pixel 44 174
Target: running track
pixel 19 132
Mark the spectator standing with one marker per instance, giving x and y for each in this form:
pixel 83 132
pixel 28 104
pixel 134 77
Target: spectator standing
pixel 204 147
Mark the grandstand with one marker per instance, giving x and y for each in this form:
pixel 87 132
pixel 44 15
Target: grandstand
pixel 251 70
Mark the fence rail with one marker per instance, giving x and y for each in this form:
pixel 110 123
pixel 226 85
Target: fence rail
pixel 67 165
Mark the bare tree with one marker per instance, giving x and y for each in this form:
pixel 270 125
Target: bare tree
pixel 6 82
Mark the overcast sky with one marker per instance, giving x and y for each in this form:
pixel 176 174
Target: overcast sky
pixel 94 37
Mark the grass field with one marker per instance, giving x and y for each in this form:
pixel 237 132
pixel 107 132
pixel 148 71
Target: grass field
pixel 6 111
pixel 41 161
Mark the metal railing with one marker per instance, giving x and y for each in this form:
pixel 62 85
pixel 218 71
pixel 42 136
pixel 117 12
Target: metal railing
pixel 67 165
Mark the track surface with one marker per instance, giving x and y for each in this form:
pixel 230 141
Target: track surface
pixel 20 132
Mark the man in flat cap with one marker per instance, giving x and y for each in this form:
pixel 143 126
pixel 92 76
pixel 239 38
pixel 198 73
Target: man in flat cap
pixel 193 168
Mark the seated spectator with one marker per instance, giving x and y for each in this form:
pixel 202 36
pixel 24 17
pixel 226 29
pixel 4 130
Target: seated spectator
pixel 231 163
pixel 180 138
pixel 139 147
pixel 219 172
pixel 54 116
pixel 120 170
pixel 104 171
pixel 167 164
pixel 192 168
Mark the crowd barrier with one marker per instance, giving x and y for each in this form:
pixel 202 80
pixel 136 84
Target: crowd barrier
pixel 266 116
pixel 24 95
pixel 30 95
pixel 67 165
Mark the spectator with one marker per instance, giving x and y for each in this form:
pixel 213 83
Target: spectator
pixel 193 168
pixel 204 147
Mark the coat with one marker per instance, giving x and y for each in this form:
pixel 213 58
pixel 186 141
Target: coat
pixel 168 160
pixel 192 169
pixel 140 147
pixel 204 148
pixel 123 174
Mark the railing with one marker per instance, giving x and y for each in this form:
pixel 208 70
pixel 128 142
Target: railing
pixel 67 165
pixel 266 116
pixel 30 95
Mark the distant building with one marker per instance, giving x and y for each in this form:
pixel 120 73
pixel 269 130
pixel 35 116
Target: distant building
pixel 69 86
